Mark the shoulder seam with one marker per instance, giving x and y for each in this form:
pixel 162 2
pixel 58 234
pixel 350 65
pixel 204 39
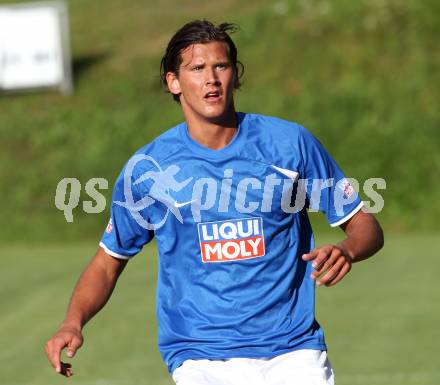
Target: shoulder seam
pixel 179 146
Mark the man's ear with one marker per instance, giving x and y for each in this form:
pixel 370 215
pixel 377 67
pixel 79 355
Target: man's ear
pixel 173 83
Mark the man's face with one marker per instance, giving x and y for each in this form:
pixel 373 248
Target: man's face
pixel 205 82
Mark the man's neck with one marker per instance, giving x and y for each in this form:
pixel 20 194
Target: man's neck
pixel 213 134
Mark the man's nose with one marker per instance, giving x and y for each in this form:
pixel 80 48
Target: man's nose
pixel 212 77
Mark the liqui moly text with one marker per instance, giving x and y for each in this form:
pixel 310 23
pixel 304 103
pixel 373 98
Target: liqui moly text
pixel 231 240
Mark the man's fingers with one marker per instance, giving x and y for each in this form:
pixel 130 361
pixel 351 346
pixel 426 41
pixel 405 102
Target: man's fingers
pixel 324 261
pixel 345 269
pixel 331 265
pixel 53 352
pixel 65 337
pixel 309 256
pixel 323 255
pixel 332 272
pixel 73 346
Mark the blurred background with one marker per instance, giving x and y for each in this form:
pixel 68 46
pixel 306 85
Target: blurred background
pixel 363 76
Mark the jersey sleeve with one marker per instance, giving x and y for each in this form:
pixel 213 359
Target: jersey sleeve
pixel 328 189
pixel 126 232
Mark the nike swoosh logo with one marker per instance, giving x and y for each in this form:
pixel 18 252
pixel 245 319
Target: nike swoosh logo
pixel 181 204
pixel 289 173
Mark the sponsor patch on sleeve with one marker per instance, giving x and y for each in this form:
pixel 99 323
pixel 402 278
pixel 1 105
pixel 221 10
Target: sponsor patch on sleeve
pixel 109 227
pixel 346 187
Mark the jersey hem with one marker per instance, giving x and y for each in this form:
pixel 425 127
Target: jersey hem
pixel 348 216
pixel 112 253
pixel 185 357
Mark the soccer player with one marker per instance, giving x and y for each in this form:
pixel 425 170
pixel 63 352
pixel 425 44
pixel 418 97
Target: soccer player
pixel 226 194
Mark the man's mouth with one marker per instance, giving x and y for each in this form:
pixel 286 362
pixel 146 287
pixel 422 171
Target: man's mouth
pixel 212 96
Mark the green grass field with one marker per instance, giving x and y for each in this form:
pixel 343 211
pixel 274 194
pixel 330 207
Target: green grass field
pixel 381 322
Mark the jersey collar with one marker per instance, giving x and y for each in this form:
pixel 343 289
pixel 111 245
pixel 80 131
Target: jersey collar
pixel 232 148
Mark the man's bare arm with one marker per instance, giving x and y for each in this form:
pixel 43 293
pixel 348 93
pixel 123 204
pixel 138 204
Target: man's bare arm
pixel 364 236
pixel 332 262
pixel 91 293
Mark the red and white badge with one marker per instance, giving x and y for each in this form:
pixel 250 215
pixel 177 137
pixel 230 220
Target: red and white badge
pixel 109 227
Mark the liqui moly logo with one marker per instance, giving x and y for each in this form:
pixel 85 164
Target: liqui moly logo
pixel 231 240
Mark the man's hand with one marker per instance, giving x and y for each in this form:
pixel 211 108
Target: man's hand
pixel 331 264
pixel 66 336
pixel 91 293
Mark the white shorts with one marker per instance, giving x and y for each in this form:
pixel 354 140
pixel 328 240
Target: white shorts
pixel 300 367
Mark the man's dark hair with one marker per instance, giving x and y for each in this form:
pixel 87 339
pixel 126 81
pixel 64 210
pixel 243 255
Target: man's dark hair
pixel 199 32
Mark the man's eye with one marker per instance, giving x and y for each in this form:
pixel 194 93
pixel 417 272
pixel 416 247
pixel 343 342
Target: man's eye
pixel 197 68
pixel 222 66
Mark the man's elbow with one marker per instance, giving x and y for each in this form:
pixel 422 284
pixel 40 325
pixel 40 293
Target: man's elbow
pixel 378 236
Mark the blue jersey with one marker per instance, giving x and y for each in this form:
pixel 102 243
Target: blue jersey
pixel 231 226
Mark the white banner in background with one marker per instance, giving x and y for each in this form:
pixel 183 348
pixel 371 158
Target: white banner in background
pixel 34 46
